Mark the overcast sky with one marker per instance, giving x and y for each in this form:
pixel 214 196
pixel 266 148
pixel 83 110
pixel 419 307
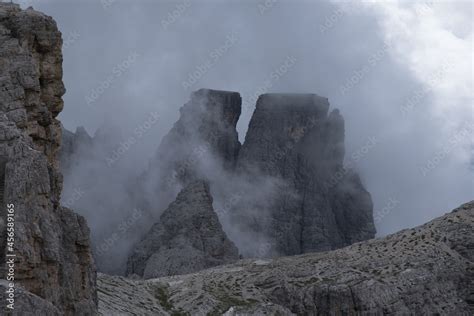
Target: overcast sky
pixel 401 74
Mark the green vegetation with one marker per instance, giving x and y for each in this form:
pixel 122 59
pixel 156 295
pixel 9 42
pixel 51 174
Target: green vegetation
pixel 161 293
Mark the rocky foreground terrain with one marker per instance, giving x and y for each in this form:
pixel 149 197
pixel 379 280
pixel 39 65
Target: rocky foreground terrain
pixel 427 270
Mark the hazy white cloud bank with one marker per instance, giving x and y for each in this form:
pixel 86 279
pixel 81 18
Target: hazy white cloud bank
pixel 433 40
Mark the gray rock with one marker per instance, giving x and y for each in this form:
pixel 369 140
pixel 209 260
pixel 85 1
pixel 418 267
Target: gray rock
pixel 206 128
pixel 286 186
pixel 25 303
pixel 426 270
pixel 53 260
pixel 205 133
pixel 321 206
pixel 187 238
pixel 207 123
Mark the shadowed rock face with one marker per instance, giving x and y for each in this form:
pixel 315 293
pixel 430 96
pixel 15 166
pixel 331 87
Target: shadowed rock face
pixel 187 238
pixel 322 206
pixel 206 128
pixel 53 264
pixel 296 196
pixel 427 270
pixel 293 154
pixel 207 125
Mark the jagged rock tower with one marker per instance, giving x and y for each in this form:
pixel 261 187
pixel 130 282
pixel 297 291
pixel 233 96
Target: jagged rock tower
pixel 54 270
pixel 207 125
pixel 206 129
pixel 188 236
pixel 320 206
pixel 314 204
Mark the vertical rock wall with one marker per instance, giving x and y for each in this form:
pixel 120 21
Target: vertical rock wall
pixel 322 206
pixel 205 130
pixel 53 261
pixel 286 186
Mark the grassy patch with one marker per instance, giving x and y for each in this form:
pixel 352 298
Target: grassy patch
pixel 163 297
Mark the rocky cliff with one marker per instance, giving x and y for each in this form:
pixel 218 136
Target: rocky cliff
pixel 205 129
pixel 187 238
pixel 284 192
pixel 322 206
pixel 209 119
pixel 53 269
pixel 293 194
pixel 427 270
pixel 207 125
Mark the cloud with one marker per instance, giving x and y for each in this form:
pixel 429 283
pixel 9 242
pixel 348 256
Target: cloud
pixel 433 41
pixel 426 36
pixel 410 53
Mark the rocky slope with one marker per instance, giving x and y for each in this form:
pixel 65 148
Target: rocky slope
pixel 188 238
pixel 422 271
pixel 53 264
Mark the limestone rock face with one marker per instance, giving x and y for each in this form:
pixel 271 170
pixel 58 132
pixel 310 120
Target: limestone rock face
pixel 208 119
pixel 27 303
pixel 206 127
pixel 426 270
pixel 187 238
pixel 53 260
pixel 284 191
pixel 322 206
pixel 203 138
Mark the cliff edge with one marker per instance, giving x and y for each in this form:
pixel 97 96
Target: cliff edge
pixel 53 269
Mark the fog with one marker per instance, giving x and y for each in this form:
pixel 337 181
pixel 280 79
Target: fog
pixel 400 73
